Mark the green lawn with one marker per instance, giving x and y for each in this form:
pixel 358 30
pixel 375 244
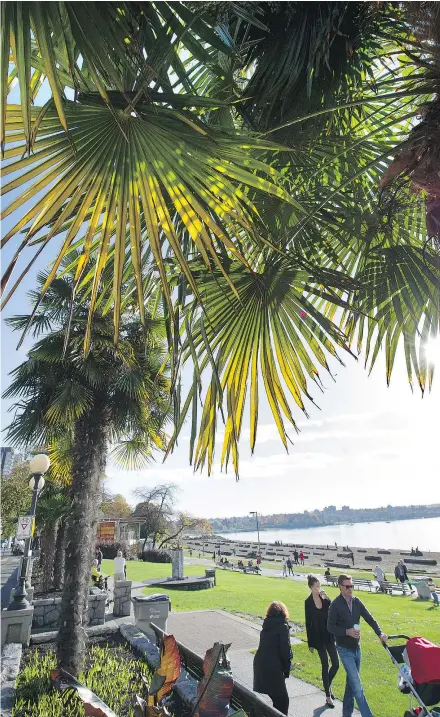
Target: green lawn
pixel 276 565
pixel 236 592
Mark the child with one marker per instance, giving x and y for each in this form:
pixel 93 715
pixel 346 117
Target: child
pixel 433 588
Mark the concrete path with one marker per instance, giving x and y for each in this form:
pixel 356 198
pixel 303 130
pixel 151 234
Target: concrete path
pixel 198 630
pixel 9 576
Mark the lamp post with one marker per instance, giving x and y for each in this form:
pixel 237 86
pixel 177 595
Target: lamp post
pixel 254 512
pixel 39 465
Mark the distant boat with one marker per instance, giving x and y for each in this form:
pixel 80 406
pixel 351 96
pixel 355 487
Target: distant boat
pixel 388 521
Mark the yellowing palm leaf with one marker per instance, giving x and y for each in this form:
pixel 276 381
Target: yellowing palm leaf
pixel 120 173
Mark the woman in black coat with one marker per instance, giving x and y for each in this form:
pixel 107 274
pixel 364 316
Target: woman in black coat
pixel 318 637
pixel 272 659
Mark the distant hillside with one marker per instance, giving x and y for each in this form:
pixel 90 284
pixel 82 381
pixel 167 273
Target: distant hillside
pixel 329 516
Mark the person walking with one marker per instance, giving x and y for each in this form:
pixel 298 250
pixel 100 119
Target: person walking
pixel 318 637
pixel 99 556
pixel 273 657
pixel 380 577
pixel 213 556
pixel 344 617
pixel 289 566
pixel 401 574
pixel 120 569
pixel 284 564
pixel 352 557
pixel 295 557
pixel 301 557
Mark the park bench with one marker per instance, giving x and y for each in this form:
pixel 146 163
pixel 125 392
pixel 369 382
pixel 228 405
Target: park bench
pixel 331 579
pixel 251 569
pixel 387 587
pixel 358 583
pixel 228 566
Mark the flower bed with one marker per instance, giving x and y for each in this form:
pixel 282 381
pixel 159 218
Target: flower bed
pixel 112 671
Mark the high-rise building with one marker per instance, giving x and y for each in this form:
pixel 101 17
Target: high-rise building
pixel 7 460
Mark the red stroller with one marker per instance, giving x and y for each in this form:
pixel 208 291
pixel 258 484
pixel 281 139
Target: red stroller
pixel 418 662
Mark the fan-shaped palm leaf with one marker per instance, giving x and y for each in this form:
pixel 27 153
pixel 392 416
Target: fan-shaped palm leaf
pixel 123 165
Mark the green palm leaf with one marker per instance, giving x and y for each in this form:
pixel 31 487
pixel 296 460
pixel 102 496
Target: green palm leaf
pixel 135 169
pixel 270 330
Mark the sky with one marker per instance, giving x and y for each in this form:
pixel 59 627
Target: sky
pixel 368 446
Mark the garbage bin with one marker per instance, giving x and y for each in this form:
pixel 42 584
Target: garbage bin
pixel 151 608
pixel 210 573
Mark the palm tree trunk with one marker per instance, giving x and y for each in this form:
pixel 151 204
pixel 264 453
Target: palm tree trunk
pixel 88 466
pixel 60 556
pixel 48 537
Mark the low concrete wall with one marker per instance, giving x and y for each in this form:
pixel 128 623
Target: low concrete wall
pixel 47 612
pixel 11 656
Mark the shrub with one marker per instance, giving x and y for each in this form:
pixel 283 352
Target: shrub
pixel 109 550
pixel 152 555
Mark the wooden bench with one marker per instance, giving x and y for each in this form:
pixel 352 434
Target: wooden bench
pixel 331 579
pixel 387 587
pixel 358 583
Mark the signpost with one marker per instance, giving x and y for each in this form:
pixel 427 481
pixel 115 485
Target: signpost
pixel 25 527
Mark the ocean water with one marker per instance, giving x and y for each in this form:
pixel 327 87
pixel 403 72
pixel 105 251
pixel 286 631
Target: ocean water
pixel 404 534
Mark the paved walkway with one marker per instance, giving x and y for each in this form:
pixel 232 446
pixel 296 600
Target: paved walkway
pixel 9 576
pixel 198 630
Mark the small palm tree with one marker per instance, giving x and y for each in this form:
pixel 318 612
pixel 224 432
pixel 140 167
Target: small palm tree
pixel 117 395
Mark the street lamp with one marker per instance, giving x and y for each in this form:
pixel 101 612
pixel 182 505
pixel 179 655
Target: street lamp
pixel 38 465
pixel 254 512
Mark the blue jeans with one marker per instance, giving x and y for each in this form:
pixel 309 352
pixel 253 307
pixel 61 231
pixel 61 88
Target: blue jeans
pixel 351 659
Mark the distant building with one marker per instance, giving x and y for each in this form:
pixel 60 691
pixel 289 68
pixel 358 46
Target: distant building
pixel 7 460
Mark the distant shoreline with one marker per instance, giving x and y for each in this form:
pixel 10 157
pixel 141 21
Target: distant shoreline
pixel 318 554
pixel 326 525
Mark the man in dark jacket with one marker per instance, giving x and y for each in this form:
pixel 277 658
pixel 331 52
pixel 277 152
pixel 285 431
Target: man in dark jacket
pixel 344 617
pixel 401 574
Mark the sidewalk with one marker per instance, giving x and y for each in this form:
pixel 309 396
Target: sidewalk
pixel 198 630
pixel 9 576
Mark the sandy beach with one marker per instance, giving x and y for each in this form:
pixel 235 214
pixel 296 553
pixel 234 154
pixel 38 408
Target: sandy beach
pixel 320 555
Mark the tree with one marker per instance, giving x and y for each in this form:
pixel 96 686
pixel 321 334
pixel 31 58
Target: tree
pixel 115 506
pixel 53 511
pixel 181 523
pixel 116 394
pixel 16 497
pixel 271 258
pixel 157 509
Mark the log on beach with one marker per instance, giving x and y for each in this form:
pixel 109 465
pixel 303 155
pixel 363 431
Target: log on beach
pixel 418 561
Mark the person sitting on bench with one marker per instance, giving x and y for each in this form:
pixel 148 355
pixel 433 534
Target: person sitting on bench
pixel 98 579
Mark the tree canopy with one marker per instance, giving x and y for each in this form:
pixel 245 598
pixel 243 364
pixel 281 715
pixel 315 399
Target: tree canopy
pixel 266 172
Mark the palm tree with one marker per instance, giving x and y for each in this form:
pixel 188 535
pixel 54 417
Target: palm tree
pixel 157 137
pixel 53 510
pixel 114 396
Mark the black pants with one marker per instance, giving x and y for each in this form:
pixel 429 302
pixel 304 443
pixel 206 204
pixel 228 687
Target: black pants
pixel 290 570
pixel 280 699
pixel 328 675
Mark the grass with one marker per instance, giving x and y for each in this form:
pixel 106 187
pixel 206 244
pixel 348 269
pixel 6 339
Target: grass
pixel 239 593
pixel 306 569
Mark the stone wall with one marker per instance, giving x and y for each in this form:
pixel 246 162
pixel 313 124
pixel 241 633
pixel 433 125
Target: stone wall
pixel 47 612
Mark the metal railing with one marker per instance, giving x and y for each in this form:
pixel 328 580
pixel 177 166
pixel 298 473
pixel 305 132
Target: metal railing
pixel 242 697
